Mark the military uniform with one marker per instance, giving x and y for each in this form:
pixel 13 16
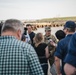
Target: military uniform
pixel 47 38
pixel 50 47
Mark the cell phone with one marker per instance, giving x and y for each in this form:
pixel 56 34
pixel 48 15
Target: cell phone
pixel 50 40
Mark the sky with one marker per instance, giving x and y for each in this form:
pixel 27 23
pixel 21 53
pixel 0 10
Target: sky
pixel 36 9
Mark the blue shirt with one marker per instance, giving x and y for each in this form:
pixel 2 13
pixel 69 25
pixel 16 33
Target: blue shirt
pixel 18 58
pixel 62 49
pixel 71 55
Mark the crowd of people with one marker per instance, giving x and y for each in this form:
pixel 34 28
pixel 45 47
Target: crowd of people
pixel 23 52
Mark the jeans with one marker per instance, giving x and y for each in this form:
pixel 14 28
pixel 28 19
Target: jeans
pixel 45 68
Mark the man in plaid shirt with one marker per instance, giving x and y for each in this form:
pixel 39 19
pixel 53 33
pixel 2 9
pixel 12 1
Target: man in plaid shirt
pixel 17 57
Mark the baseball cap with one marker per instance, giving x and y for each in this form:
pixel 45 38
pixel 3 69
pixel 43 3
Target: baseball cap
pixel 47 28
pixel 70 24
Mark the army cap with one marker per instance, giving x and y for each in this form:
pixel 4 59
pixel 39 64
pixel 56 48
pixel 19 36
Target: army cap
pixel 47 28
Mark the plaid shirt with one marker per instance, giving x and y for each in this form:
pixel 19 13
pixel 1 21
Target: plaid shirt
pixel 18 58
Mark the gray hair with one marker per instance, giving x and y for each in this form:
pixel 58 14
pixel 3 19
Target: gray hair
pixel 12 25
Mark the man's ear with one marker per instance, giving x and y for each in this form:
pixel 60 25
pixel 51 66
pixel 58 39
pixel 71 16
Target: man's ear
pixel 66 30
pixel 19 34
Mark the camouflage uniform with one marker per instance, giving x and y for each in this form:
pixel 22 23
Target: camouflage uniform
pixel 50 47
